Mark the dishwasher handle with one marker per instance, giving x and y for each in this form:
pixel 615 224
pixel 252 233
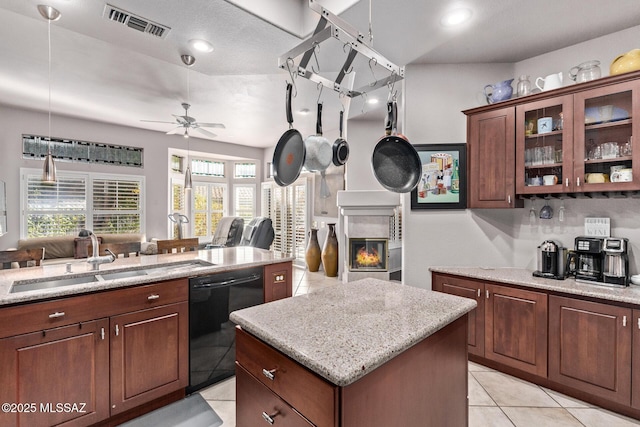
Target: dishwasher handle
pixel 231 282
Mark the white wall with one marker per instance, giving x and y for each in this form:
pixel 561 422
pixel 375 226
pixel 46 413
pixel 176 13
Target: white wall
pixel 15 122
pixel 435 95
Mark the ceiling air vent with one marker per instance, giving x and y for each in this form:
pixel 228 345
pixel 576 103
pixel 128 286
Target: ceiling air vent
pixel 138 23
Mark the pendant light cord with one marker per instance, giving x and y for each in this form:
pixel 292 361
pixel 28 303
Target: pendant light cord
pixel 370 27
pixel 49 78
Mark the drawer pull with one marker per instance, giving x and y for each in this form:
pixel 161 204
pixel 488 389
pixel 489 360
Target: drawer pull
pixel 269 374
pixel 624 321
pixel 479 293
pixel 56 315
pixel 270 418
pixel 153 297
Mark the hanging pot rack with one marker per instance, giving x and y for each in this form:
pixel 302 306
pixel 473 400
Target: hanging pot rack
pixel 331 25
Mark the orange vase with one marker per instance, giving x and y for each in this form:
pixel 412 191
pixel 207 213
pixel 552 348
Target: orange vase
pixel 330 253
pixel 312 255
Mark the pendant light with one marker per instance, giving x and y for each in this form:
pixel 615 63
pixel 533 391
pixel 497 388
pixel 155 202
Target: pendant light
pixel 188 60
pixel 49 169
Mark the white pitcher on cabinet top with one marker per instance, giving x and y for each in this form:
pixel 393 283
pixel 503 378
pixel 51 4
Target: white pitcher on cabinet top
pixel 552 81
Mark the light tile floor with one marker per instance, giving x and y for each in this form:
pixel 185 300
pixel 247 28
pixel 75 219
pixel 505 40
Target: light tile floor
pixel 495 399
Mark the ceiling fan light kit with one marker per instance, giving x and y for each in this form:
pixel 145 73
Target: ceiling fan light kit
pixel 49 168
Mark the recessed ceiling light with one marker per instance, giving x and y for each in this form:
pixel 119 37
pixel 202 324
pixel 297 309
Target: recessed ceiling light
pixel 373 101
pixel 455 17
pixel 201 45
pixel 304 111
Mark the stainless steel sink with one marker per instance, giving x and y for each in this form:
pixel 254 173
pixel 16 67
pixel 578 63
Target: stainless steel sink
pixel 56 282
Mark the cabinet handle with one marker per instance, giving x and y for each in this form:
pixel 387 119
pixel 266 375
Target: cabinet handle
pixel 270 418
pixel 638 322
pixel 487 293
pixel 480 294
pixel 152 297
pixel 102 333
pixel 56 315
pixel 269 374
pixel 509 199
pixel 566 182
pixel 117 330
pixel 578 181
pixel 624 321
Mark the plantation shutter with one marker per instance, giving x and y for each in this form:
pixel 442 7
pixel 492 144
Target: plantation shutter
pixel 117 206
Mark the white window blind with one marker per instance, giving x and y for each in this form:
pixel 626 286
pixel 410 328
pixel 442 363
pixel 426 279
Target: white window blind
pixel 244 201
pixel 289 210
pixel 106 204
pixel 116 206
pixel 245 170
pixel 209 205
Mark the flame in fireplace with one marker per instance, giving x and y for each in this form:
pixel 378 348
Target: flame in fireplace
pixel 367 259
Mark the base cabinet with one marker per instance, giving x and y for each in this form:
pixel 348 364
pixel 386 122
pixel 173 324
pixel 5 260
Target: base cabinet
pixel 508 326
pixel 278 281
pixel 56 376
pixel 590 347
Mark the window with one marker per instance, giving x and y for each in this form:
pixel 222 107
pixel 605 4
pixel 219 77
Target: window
pixel 245 170
pixel 244 197
pixel 207 168
pixel 209 201
pixel 105 204
pixel 177 204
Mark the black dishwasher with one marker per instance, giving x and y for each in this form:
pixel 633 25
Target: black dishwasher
pixel 212 350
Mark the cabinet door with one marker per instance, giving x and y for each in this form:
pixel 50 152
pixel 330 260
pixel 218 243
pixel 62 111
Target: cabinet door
pixel 544 146
pixel 62 375
pixel 603 130
pixel 635 363
pixel 491 152
pixel 278 281
pixel 590 347
pixel 149 355
pixel 516 328
pixel 472 289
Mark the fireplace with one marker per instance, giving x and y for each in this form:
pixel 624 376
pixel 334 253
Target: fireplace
pixel 368 254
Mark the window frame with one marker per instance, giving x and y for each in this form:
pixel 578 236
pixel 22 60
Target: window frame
pixel 89 178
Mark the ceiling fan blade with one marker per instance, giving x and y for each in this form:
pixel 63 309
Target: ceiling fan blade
pixel 210 125
pixel 175 130
pixel 157 121
pixel 181 119
pixel 205 132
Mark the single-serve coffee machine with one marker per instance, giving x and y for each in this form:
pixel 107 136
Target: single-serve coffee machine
pixel 616 261
pixel 551 260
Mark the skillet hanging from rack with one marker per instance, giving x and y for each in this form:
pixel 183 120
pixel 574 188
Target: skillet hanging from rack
pixel 289 154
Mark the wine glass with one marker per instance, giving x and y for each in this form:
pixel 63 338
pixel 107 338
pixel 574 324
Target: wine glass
pixel 532 212
pixel 561 211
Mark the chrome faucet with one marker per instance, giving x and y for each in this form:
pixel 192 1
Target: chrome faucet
pixel 95 260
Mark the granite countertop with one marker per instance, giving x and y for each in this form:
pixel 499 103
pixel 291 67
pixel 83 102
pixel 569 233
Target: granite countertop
pixel 344 332
pixel 221 259
pixel 524 277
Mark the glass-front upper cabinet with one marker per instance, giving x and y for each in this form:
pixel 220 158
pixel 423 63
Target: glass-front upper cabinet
pixel 544 146
pixel 604 129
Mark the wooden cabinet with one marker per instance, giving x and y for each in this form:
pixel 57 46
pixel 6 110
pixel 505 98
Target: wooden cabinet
pixel 44 370
pixel 107 352
pixel 516 328
pixel 509 325
pixel 468 288
pixel 278 281
pixel 590 347
pixel 635 362
pixel 491 153
pixel 149 355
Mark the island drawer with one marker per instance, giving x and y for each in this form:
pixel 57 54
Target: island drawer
pixel 308 393
pixel 260 406
pixel 38 316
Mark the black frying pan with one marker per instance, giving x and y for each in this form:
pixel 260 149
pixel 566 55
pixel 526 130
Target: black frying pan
pixel 396 163
pixel 288 157
pixel 340 147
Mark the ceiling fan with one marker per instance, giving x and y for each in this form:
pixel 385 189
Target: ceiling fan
pixel 187 122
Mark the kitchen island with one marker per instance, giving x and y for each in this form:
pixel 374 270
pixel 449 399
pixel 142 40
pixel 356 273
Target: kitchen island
pixel 102 347
pixel 369 352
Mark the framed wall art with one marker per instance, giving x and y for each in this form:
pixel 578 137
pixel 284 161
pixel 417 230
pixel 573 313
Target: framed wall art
pixel 443 184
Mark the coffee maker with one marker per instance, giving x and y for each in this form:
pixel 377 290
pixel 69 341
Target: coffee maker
pixel 585 261
pixel 616 261
pixel 551 260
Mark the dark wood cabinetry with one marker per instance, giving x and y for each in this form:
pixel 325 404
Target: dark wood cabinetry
pixel 516 328
pixel 508 326
pixel 45 369
pixel 278 281
pixel 590 347
pixel 491 153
